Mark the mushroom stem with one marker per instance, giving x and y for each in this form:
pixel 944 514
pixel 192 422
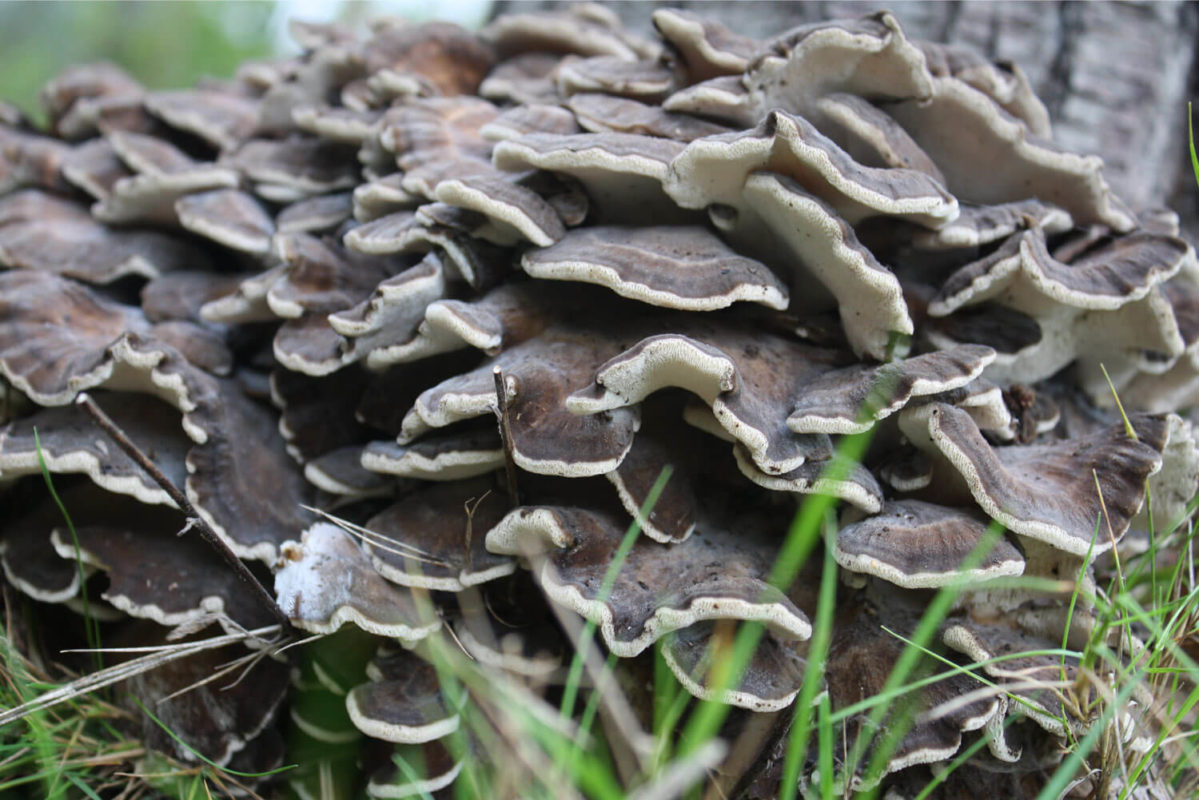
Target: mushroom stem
pixel 501 406
pixel 194 519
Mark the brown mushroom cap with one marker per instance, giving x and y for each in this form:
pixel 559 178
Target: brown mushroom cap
pixel 83 341
pixel 434 537
pixel 708 48
pixel 850 400
pixel 403 703
pixel 751 381
pixel 989 157
pixel 660 588
pixel 1048 492
pixel 983 642
pixel 222 119
pixel 450 59
pixel 434 766
pixel 454 456
pixel 229 217
pixel 648 80
pixel 600 112
pixel 685 268
pixel 214 719
pixel 1105 278
pixel 919 545
pixel 154 573
pixel 316 214
pixel 326 580
pixel 44 233
pixel 241 479
pixel 790 145
pixel 540 374
pixel 862 655
pixel 585 29
pixel 868 295
pixel 770 681
pixel 71 442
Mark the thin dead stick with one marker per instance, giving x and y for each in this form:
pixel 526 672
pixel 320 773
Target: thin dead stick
pixel 193 517
pixel 501 410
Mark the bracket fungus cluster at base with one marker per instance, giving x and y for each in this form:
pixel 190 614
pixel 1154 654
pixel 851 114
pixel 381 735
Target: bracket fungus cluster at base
pixel 307 292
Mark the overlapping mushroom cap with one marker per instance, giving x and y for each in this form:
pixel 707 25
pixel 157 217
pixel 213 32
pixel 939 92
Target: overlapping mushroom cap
pixel 705 260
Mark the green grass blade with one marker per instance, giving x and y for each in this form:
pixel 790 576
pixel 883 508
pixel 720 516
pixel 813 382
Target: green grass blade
pixel 92 626
pixel 801 729
pixel 574 677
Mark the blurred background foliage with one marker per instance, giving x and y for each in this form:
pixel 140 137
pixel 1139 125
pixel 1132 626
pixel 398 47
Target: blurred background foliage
pixel 172 44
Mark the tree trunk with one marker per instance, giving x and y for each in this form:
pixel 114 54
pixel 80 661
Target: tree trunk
pixel 1115 76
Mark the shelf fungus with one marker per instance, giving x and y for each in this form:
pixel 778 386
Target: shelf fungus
pixel 449 339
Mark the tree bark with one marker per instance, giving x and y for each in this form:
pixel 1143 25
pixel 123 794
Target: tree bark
pixel 1115 76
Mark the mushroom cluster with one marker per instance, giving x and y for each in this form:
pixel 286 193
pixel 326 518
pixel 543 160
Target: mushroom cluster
pixel 681 273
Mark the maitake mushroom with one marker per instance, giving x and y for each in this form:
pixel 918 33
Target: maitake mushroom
pixel 704 257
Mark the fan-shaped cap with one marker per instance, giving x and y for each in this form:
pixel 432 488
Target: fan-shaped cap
pixel 540 373
pixel 600 112
pixel 855 484
pixel 326 580
pixel 868 295
pixel 512 123
pixel 920 545
pixel 229 217
pixel 58 338
pixel 524 79
pixel 149 197
pixel 683 267
pixel 434 537
pixel 95 168
pixel 435 768
pixel 241 479
pixel 671 518
pixel 707 48
pixel 71 442
pixel 586 29
pixel 1002 646
pixel 714 170
pixel 750 379
pixel 1105 278
pixel 27 159
pixel 1004 82
pixel 85 81
pixel 215 719
pixel 450 457
pixel 862 655
pixel 220 118
pixel 852 399
pixel 307 167
pixel 622 172
pixel 978 226
pixel 397 304
pixel 155 573
pixel 445 56
pixel 337 124
pixel 1048 492
pixel 660 588
pixel 988 157
pixel 316 214
pixel 648 80
pixel 504 202
pixel 770 680
pixel 869 136
pixel 323 277
pixel 41 232
pixel 403 703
